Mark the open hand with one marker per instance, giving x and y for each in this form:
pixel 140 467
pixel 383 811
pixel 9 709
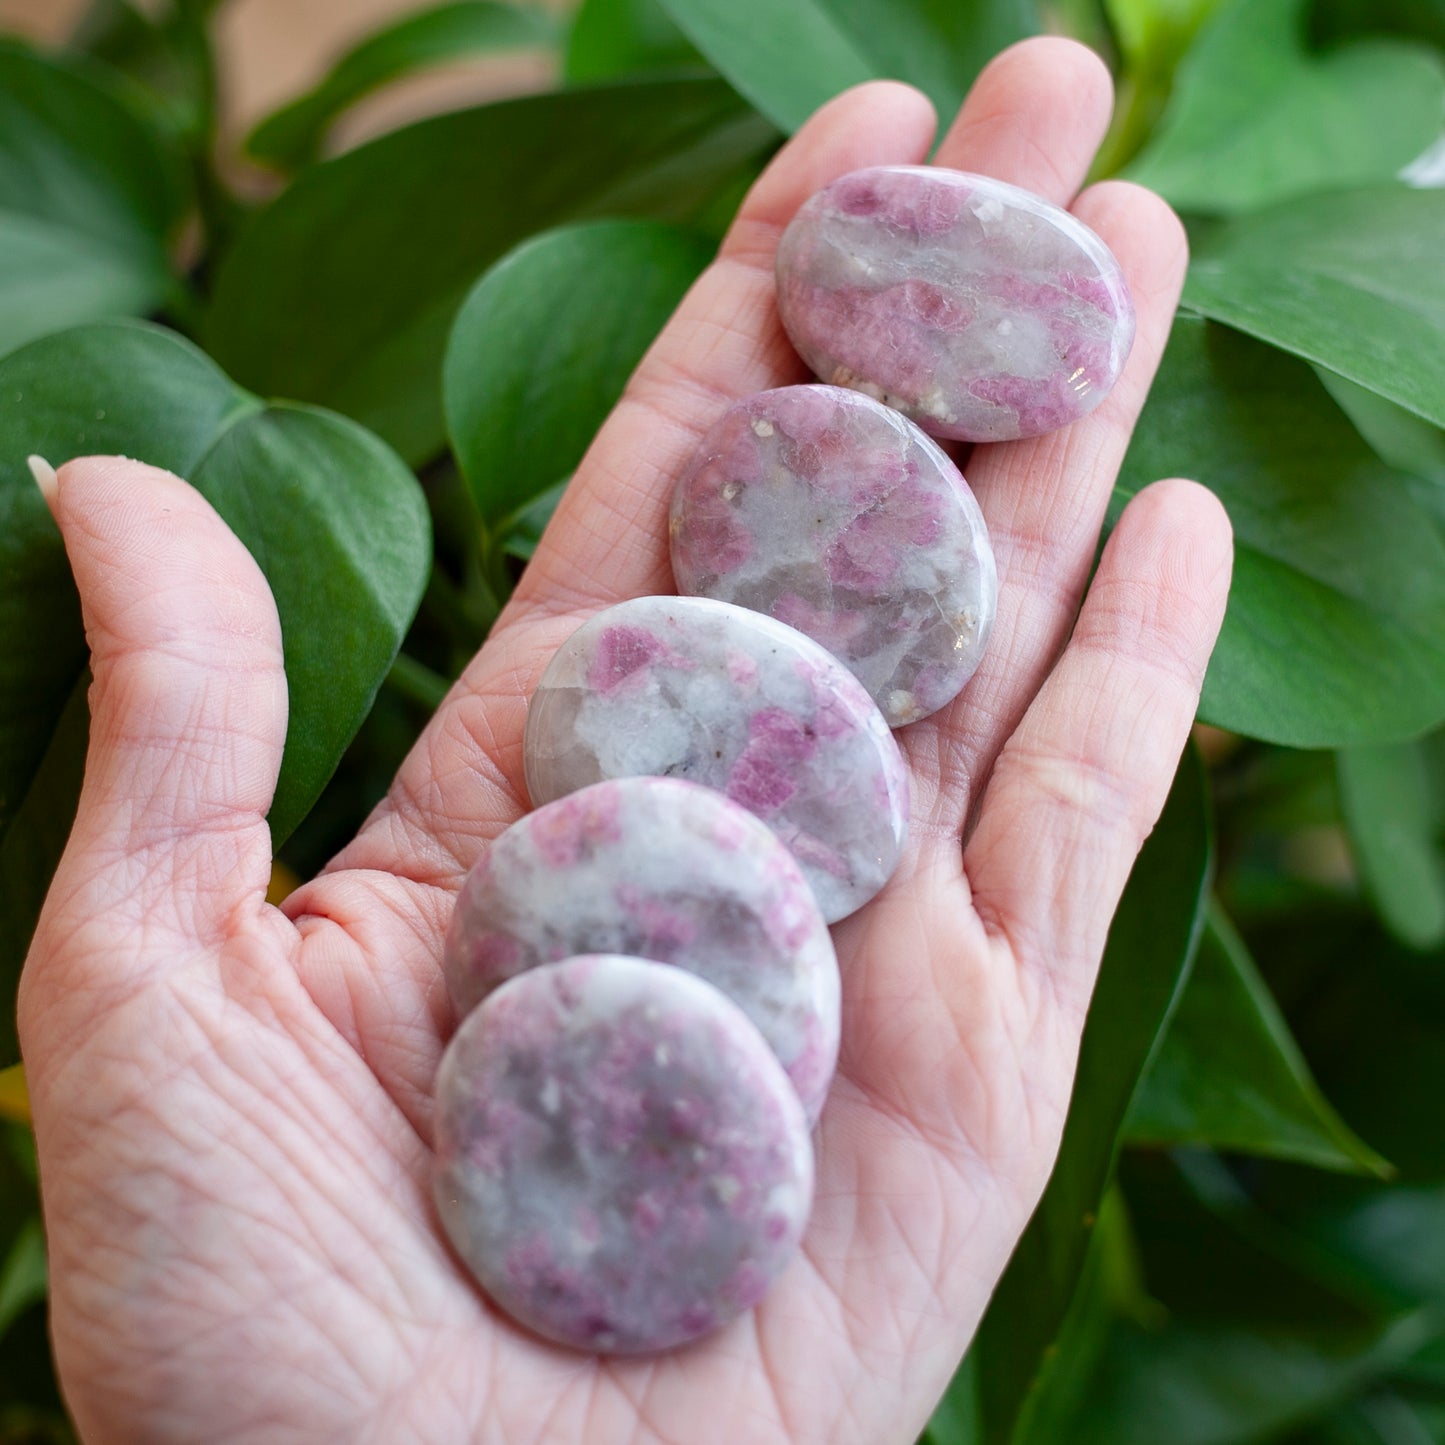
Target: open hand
pixel 231 1100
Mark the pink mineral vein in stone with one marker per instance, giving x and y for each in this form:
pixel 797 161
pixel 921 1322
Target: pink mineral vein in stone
pixel 793 735
pixel 978 309
pixel 662 869
pixel 620 1160
pixel 873 545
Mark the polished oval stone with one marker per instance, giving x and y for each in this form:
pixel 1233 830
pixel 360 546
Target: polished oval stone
pixel 691 688
pixel 620 1160
pixel 834 514
pixel 661 869
pixel 976 308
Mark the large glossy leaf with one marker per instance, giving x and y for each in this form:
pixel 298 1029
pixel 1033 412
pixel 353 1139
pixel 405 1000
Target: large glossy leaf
pixel 87 199
pixel 293 135
pixel 1256 118
pixel 1230 1074
pixel 790 58
pixel 615 38
pixel 544 345
pixel 1151 944
pixel 343 291
pixel 336 521
pixel 1333 633
pixel 1394 804
pixel 340 528
pixel 1351 280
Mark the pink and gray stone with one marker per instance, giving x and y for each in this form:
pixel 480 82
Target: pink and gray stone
pixel 834 514
pixel 687 687
pixel 661 869
pixel 976 308
pixel 620 1160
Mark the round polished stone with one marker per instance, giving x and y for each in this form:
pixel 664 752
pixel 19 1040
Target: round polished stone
pixel 620 1160
pixel 976 308
pixel 835 514
pixel 661 869
pixel 691 688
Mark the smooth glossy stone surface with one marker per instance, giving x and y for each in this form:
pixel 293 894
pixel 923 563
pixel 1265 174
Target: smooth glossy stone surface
pixel 834 514
pixel 691 688
pixel 976 308
pixel 661 869
pixel 621 1161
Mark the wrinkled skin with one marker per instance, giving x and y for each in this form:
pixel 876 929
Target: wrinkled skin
pixel 231 1099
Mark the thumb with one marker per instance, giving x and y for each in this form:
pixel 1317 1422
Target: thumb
pixel 188 717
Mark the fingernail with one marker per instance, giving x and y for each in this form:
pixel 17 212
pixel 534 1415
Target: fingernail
pixel 45 479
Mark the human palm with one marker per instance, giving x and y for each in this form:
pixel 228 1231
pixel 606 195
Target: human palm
pixel 232 1100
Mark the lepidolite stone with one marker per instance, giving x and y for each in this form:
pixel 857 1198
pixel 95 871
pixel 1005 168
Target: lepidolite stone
pixel 976 308
pixel 834 514
pixel 620 1159
pixel 690 688
pixel 661 869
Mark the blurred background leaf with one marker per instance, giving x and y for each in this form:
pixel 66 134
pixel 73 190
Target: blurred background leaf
pixel 1256 118
pixel 789 58
pixel 294 135
pixel 614 38
pixel 1394 804
pixel 332 298
pixel 1230 1075
pixel 89 197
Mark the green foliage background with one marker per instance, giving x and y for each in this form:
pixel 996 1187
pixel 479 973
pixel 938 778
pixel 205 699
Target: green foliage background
pixel 1244 1239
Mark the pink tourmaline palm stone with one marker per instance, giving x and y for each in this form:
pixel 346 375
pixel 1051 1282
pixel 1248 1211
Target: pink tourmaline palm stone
pixel 620 1160
pixel 690 688
pixel 834 514
pixel 661 869
pixel 976 308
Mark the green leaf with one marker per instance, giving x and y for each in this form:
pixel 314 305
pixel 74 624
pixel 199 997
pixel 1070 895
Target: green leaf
pixel 343 291
pixel 164 63
pixel 1231 1075
pixel 340 528
pixel 30 847
pixel 293 136
pixel 23 1275
pixel 1151 944
pixel 1369 1015
pixel 1333 631
pixel 1394 804
pixel 1256 118
pixel 1396 436
pixel 611 39
pixel 335 520
pixel 1351 280
pixel 521 532
pixel 1259 1332
pixel 545 343
pixel 88 198
pixel 788 59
